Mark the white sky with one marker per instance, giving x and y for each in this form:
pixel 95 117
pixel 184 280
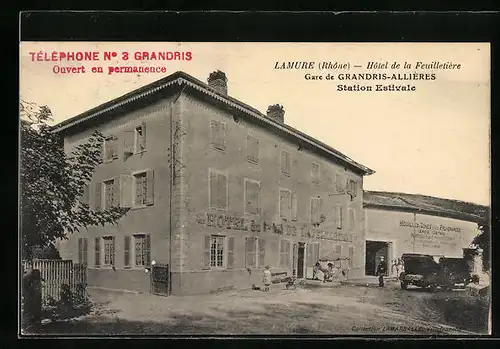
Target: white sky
pixel 434 141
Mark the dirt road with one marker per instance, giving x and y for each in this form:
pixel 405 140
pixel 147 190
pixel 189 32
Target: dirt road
pixel 316 309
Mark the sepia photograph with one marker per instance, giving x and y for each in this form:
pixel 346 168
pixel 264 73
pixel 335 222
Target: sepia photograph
pixel 253 188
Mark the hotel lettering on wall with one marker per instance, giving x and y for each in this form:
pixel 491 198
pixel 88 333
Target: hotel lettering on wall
pixel 223 221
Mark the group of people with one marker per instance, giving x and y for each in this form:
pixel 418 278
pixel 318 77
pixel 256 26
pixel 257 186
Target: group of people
pixel 397 267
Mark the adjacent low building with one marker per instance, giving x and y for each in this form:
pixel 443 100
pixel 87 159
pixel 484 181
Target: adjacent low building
pixel 398 223
pixel 216 189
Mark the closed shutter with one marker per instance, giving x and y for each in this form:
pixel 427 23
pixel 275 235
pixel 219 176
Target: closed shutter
pixel 116 192
pixel 315 210
pixel 285 204
pixel 213 189
pixel 98 197
pixel 97 250
pixel 115 147
pixel 126 251
pixel 252 197
pixel 150 187
pixel 338 216
pixel 148 249
pixel 230 252
pixel 206 252
pixel 80 250
pixel 351 219
pixel 262 252
pixel 340 182
pixel 351 256
pixel 126 190
pixel 338 250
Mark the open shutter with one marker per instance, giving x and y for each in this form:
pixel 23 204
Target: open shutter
pixel 143 138
pixel 148 249
pixel 213 189
pixel 126 190
pixel 115 147
pixel 230 252
pixel 116 192
pixel 294 207
pixel 80 250
pixel 338 216
pixel 97 251
pixel 309 253
pixel 150 187
pixel 126 250
pixel 351 257
pixel 206 252
pixel 97 196
pixel 262 252
pixel 85 251
pixel 128 143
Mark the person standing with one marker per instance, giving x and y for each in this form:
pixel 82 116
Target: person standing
pixel 267 278
pixel 381 270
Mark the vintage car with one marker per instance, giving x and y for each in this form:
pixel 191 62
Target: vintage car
pixel 422 270
pixel 456 270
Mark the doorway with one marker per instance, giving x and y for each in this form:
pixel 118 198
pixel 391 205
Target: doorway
pixel 300 260
pixel 374 250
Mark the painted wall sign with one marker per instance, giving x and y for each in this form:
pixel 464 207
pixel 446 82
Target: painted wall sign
pixel 224 221
pixel 427 235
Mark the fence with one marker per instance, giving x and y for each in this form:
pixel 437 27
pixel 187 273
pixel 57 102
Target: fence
pixel 55 273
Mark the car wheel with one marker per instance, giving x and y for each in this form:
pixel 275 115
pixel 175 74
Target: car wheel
pixel 404 285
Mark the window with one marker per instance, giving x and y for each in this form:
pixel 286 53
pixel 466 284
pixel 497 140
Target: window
pixel 109 250
pixel 284 254
pixel 285 204
pixel 351 257
pixel 109 199
pixel 218 134
pixel 85 198
pixel 338 250
pixel 252 149
pixel 218 190
pixel 142 251
pixel 340 182
pixel 352 187
pixel 254 252
pixel 315 210
pixel 82 251
pixel 352 221
pixel 140 138
pixel 285 163
pixel 338 216
pixel 315 172
pixel 252 196
pixel 143 188
pixel 110 148
pixel 312 253
pixel 97 251
pixel 217 251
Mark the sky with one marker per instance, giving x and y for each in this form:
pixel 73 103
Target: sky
pixel 432 141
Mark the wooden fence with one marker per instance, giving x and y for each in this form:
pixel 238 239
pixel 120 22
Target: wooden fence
pixel 55 273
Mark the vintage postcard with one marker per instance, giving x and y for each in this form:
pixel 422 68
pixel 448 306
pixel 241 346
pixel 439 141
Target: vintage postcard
pixel 206 188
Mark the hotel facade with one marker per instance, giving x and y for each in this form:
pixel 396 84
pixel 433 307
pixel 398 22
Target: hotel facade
pixel 216 190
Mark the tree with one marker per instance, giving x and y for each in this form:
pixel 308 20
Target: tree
pixel 52 182
pixel 483 241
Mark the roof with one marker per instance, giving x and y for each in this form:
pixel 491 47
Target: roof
pixel 179 79
pixel 426 204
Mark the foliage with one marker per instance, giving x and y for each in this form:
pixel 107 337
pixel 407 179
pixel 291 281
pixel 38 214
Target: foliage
pixel 45 252
pixel 52 182
pixel 483 240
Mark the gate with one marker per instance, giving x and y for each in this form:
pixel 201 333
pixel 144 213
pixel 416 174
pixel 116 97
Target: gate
pixel 160 279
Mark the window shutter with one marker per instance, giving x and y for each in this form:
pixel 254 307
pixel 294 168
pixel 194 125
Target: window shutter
pixel 351 219
pixel 113 250
pixel 294 207
pixel 338 216
pixel 148 249
pixel 309 248
pixel 128 142
pixel 351 256
pixel 287 253
pixel 115 147
pixel 213 189
pixel 126 251
pixel 222 191
pixel 338 250
pixel 97 250
pixel 85 251
pixel 126 190
pixel 143 140
pixel 222 135
pixel 230 252
pixel 206 252
pixel 116 192
pixel 98 197
pixel 315 210
pixel 101 152
pixel 80 250
pixel 150 187
pixel 262 252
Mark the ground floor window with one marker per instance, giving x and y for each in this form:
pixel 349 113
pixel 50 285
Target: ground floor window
pixel 109 250
pixel 142 249
pixel 255 251
pixel 284 254
pixel 82 250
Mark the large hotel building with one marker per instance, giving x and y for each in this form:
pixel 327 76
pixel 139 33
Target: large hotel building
pixel 216 190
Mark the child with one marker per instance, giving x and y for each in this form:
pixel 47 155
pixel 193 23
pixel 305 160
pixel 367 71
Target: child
pixel 267 278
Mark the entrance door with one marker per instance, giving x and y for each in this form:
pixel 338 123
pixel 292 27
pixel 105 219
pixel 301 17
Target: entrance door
pixel 374 250
pixel 300 260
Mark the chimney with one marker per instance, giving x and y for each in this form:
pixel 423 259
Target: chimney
pixel 276 113
pixel 218 81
